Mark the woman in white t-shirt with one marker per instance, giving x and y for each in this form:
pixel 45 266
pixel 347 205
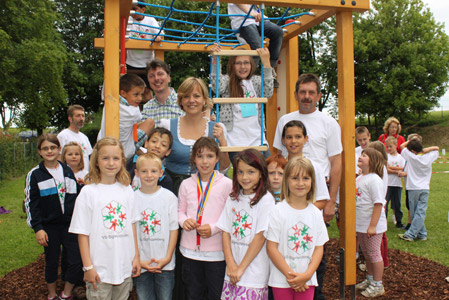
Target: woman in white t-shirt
pixel 243 121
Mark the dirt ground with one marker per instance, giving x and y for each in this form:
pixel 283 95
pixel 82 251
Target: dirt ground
pixel 408 277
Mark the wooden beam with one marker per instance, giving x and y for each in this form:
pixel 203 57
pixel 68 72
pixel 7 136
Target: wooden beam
pixel 356 5
pixel 241 148
pixel 125 7
pixel 307 22
pixel 238 100
pixel 111 66
pixel 236 53
pixel 292 73
pixel 346 107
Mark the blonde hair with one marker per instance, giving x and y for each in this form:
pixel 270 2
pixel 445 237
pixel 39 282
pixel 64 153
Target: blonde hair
pixel 148 157
pixel 388 123
pixel 186 88
pixel 94 175
pixel 379 146
pixel 376 161
pixel 392 140
pixel 73 144
pixel 296 166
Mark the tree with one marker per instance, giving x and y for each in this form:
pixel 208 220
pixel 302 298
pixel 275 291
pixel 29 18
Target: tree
pixel 401 60
pixel 33 57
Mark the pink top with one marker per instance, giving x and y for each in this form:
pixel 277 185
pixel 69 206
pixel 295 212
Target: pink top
pixel 400 139
pixel 188 206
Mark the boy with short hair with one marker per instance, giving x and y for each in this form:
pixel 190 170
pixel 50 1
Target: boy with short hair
pixel 157 231
pixel 159 142
pixel 395 165
pixel 419 171
pixel 363 137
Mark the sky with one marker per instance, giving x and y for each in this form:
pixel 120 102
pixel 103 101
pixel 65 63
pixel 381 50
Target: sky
pixel 440 10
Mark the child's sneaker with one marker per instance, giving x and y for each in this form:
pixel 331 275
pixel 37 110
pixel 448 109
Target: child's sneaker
pixel 65 298
pixel 404 237
pixel 394 219
pixel 374 291
pixel 54 298
pixel 363 285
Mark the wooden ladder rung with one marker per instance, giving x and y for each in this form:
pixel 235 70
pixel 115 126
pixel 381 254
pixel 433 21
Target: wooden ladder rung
pixel 238 100
pixel 241 148
pixel 236 53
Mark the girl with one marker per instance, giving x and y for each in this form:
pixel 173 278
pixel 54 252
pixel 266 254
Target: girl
pixel 296 234
pixel 50 194
pixel 371 222
pixel 242 121
pixel 72 155
pixel 294 137
pixel 275 167
pixel 243 221
pixel 201 201
pixel 104 219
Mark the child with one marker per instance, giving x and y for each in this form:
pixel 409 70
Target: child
pixel 50 194
pixel 371 222
pixel 201 200
pixel 72 155
pixel 243 221
pixel 275 166
pixel 419 171
pixel 133 133
pixel 296 234
pixel 160 141
pixel 104 219
pixel 396 164
pixel 157 231
pixel 363 137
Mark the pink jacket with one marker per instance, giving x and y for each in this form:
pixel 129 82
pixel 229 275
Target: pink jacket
pixel 188 205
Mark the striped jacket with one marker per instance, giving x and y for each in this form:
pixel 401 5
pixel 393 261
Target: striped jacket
pixel 42 201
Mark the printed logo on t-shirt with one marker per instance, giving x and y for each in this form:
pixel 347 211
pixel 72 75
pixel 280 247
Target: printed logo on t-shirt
pixel 61 189
pixel 358 194
pixel 299 238
pixel 241 223
pixel 150 223
pixel 114 216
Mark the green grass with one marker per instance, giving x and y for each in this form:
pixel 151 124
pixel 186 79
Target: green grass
pixel 18 246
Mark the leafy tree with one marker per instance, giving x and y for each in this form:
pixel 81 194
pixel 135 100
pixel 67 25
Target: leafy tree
pixel 33 57
pixel 401 60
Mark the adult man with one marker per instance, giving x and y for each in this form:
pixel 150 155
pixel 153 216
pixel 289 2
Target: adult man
pixel 323 147
pixel 164 104
pixel 72 133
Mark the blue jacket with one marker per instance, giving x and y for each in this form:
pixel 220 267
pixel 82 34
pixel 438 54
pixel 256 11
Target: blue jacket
pixel 42 201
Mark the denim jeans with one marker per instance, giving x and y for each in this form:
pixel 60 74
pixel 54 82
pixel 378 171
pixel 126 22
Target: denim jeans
pixel 418 208
pixel 159 286
pixel 251 34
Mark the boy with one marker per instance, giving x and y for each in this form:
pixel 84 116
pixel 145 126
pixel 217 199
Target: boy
pixel 419 171
pixel 396 164
pixel 133 133
pixel 363 137
pixel 157 231
pixel 159 143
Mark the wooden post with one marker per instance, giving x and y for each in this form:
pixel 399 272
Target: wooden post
pixel 346 107
pixel 111 66
pixel 292 73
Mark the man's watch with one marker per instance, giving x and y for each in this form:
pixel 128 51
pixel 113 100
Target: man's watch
pixel 85 269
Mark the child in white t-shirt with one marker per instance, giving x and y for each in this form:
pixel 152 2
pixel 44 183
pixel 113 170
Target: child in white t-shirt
pixel 104 219
pixel 396 164
pixel 243 221
pixel 72 155
pixel 363 138
pixel 157 231
pixel 275 166
pixel 371 222
pixel 296 234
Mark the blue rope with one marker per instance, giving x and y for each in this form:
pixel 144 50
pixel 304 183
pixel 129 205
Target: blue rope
pixel 201 26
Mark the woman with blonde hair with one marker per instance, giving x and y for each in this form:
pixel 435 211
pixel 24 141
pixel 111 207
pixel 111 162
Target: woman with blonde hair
pixel 392 128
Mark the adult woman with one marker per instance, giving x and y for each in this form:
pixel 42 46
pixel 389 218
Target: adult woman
pixel 392 128
pixel 242 121
pixel 193 100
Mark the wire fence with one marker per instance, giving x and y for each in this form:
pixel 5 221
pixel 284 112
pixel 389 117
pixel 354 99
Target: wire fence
pixel 17 157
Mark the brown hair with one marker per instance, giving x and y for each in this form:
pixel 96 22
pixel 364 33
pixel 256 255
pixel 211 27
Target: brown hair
pixel 71 109
pixel 295 167
pixel 200 144
pixel 306 78
pixel 52 138
pixel 379 146
pixel 235 87
pixel 161 131
pixel 186 88
pixel 361 130
pixel 129 81
pixel 157 63
pixel 376 161
pixel 73 144
pixel 94 175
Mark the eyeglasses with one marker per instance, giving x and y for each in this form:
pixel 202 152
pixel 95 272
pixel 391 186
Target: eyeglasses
pixel 49 148
pixel 242 63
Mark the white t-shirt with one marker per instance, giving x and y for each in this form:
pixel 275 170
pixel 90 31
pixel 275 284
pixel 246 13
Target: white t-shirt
pixel 81 174
pixel 243 222
pixel 324 137
pixel 358 153
pixel 419 169
pixel 158 215
pixel 237 20
pixel 370 190
pixel 246 130
pixel 322 192
pixel 297 231
pixel 106 212
pixel 139 58
pixel 58 176
pixel 395 161
pixel 68 135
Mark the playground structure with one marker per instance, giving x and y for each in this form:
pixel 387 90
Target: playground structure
pixel 116 16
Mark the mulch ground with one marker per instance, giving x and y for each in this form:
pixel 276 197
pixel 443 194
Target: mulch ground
pixel 408 277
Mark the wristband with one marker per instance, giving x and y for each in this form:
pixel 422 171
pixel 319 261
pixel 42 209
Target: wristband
pixel 85 269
